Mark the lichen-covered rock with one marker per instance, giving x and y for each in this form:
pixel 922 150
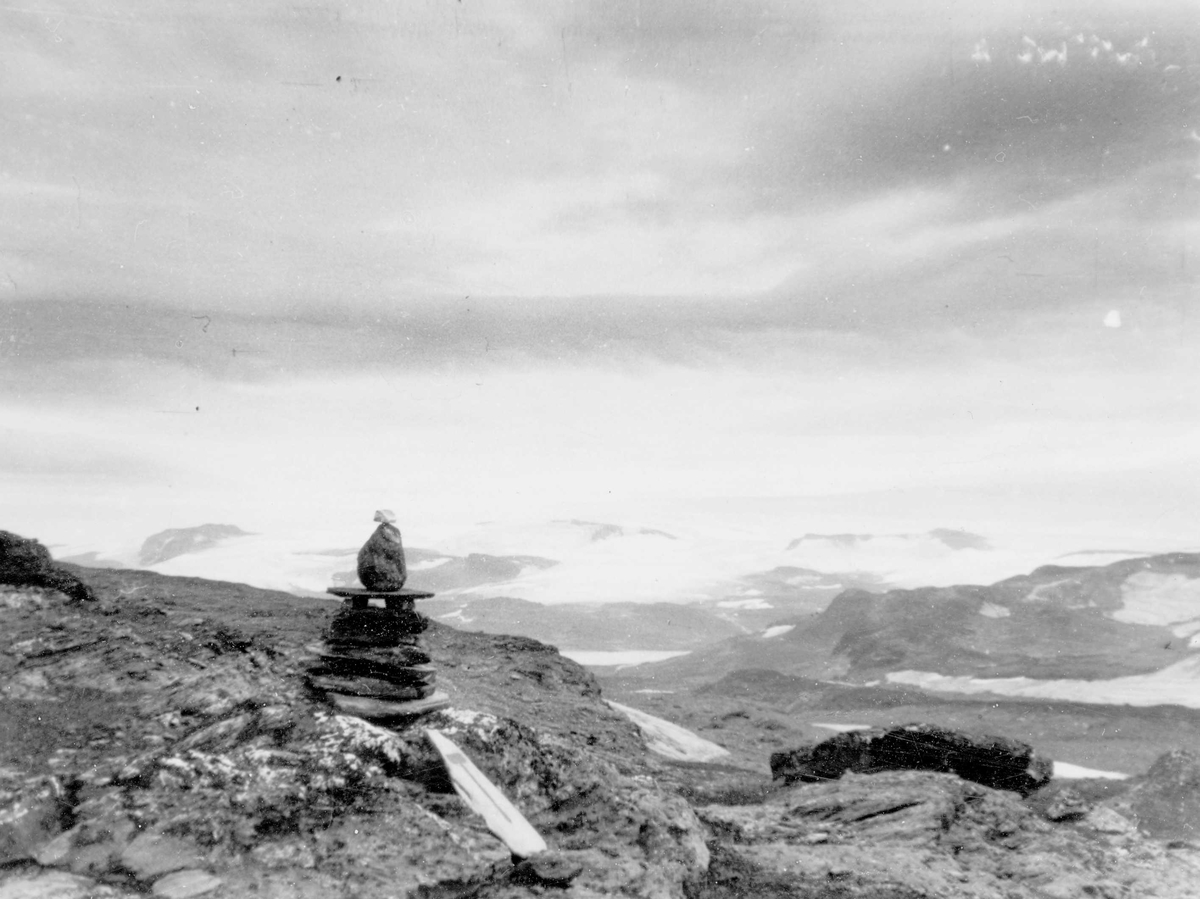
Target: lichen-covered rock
pixel 26 563
pixel 997 762
pixel 580 804
pixel 909 834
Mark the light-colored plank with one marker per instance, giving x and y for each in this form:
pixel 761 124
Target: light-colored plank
pixel 500 815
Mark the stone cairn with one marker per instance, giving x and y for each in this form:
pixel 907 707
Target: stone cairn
pixel 371 662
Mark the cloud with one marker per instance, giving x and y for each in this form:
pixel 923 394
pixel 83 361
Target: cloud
pixel 733 166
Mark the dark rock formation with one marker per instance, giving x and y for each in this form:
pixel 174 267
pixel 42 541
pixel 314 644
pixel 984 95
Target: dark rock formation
pixel 26 563
pixel 996 762
pixel 381 563
pixel 176 541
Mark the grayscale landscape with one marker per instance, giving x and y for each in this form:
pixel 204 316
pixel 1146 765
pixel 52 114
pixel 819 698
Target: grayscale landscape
pixel 790 408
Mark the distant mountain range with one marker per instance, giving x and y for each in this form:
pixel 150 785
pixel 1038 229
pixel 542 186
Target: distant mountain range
pixel 1135 617
pixel 599 582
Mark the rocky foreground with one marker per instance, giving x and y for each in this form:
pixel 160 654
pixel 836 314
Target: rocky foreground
pixel 160 738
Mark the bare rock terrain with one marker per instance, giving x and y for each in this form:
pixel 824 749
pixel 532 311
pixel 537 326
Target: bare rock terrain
pixel 161 740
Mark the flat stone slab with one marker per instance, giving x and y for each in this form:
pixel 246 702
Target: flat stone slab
pixel 379 709
pixel 360 598
pixel 369 688
pixel 410 676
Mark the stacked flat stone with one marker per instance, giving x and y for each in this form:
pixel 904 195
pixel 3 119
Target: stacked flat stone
pixel 371 662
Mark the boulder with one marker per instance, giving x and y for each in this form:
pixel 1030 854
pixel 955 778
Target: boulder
pixel 381 563
pixel 31 819
pixel 26 563
pixel 997 762
pixel 1167 802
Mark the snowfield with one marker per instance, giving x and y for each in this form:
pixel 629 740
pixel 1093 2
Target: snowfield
pixel 672 558
pixel 1177 684
pixel 778 631
pixel 1171 600
pixel 621 658
pixel 669 739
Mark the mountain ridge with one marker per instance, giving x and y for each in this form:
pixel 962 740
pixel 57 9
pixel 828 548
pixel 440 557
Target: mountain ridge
pixel 1128 617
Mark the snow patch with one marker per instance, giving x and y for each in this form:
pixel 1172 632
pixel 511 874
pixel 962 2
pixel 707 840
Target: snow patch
pixel 747 604
pixel 669 739
pixel 778 630
pixel 1177 684
pixel 1067 771
pixel 840 728
pixel 1038 592
pixel 622 657
pixel 991 610
pixel 1151 597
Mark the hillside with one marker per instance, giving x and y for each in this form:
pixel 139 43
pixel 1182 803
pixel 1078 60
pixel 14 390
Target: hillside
pixel 160 737
pixel 1130 617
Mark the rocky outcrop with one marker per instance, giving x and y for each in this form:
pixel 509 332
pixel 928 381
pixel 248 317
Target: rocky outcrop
pixel 26 563
pixel 191 756
pixel 909 834
pixel 996 762
pixel 162 742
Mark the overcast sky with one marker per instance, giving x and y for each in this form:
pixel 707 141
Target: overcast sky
pixel 492 255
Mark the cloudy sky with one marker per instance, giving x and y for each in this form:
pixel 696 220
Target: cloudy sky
pixel 274 264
